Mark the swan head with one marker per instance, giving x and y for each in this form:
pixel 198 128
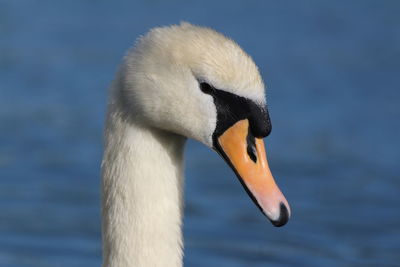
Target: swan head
pixel 197 83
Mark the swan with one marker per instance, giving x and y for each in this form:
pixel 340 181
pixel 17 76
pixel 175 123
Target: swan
pixel 178 82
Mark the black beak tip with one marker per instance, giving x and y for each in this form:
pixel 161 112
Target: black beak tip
pixel 283 217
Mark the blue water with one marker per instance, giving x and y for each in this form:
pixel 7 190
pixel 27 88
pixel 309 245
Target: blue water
pixel 332 72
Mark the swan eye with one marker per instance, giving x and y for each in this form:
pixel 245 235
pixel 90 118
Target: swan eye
pixel 206 88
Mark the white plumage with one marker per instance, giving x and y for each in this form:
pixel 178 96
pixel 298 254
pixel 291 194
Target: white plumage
pixel 155 104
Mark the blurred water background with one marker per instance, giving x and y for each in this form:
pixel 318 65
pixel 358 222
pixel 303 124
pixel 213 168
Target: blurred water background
pixel 332 72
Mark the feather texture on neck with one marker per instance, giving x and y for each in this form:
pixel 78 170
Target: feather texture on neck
pixel 142 193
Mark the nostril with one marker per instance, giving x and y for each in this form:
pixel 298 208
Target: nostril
pixel 283 216
pixel 251 146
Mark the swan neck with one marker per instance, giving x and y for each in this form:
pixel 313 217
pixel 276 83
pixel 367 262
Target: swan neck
pixel 142 180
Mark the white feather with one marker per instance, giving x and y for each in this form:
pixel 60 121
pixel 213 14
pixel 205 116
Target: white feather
pixel 155 103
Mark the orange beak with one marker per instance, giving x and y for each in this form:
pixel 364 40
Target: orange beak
pixel 248 159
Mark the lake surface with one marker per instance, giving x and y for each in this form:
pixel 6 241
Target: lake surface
pixel 332 73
